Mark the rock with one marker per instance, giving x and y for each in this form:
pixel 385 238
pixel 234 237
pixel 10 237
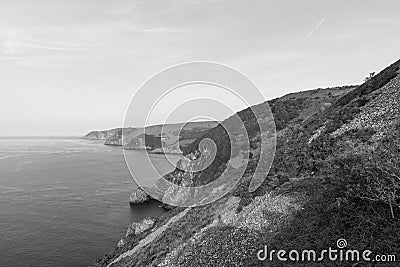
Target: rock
pixel 140 227
pixel 139 196
pixel 136 228
pixel 121 243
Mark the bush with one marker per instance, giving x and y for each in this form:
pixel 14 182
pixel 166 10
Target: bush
pixel 283 178
pixel 374 177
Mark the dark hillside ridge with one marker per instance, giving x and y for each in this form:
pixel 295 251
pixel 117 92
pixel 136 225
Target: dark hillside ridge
pixel 315 140
pixel 289 111
pixel 370 85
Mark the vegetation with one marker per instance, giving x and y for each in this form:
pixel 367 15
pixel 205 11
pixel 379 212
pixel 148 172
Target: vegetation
pixel 191 133
pixel 373 177
pixel 152 141
pixel 286 113
pixel 357 200
pixel 287 110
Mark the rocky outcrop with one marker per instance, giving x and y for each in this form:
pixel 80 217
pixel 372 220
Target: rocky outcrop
pixel 136 228
pixel 114 139
pixel 139 196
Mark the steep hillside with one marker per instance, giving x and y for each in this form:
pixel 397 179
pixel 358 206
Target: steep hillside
pixel 336 175
pixel 289 112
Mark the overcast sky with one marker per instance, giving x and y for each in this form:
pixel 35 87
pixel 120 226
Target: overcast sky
pixel 67 67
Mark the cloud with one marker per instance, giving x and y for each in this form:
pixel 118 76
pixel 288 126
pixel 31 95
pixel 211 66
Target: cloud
pixel 314 29
pixel 308 35
pixel 13 46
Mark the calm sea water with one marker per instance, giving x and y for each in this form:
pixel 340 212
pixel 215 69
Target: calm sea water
pixel 65 201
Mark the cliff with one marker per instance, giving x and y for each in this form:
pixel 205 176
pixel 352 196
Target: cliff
pixel 335 175
pixel 168 138
pixel 101 135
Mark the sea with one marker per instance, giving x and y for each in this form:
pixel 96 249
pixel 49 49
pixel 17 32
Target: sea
pixel 64 201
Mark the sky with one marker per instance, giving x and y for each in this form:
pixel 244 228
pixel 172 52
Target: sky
pixel 71 66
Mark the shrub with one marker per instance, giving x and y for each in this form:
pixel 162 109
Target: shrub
pixel 375 176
